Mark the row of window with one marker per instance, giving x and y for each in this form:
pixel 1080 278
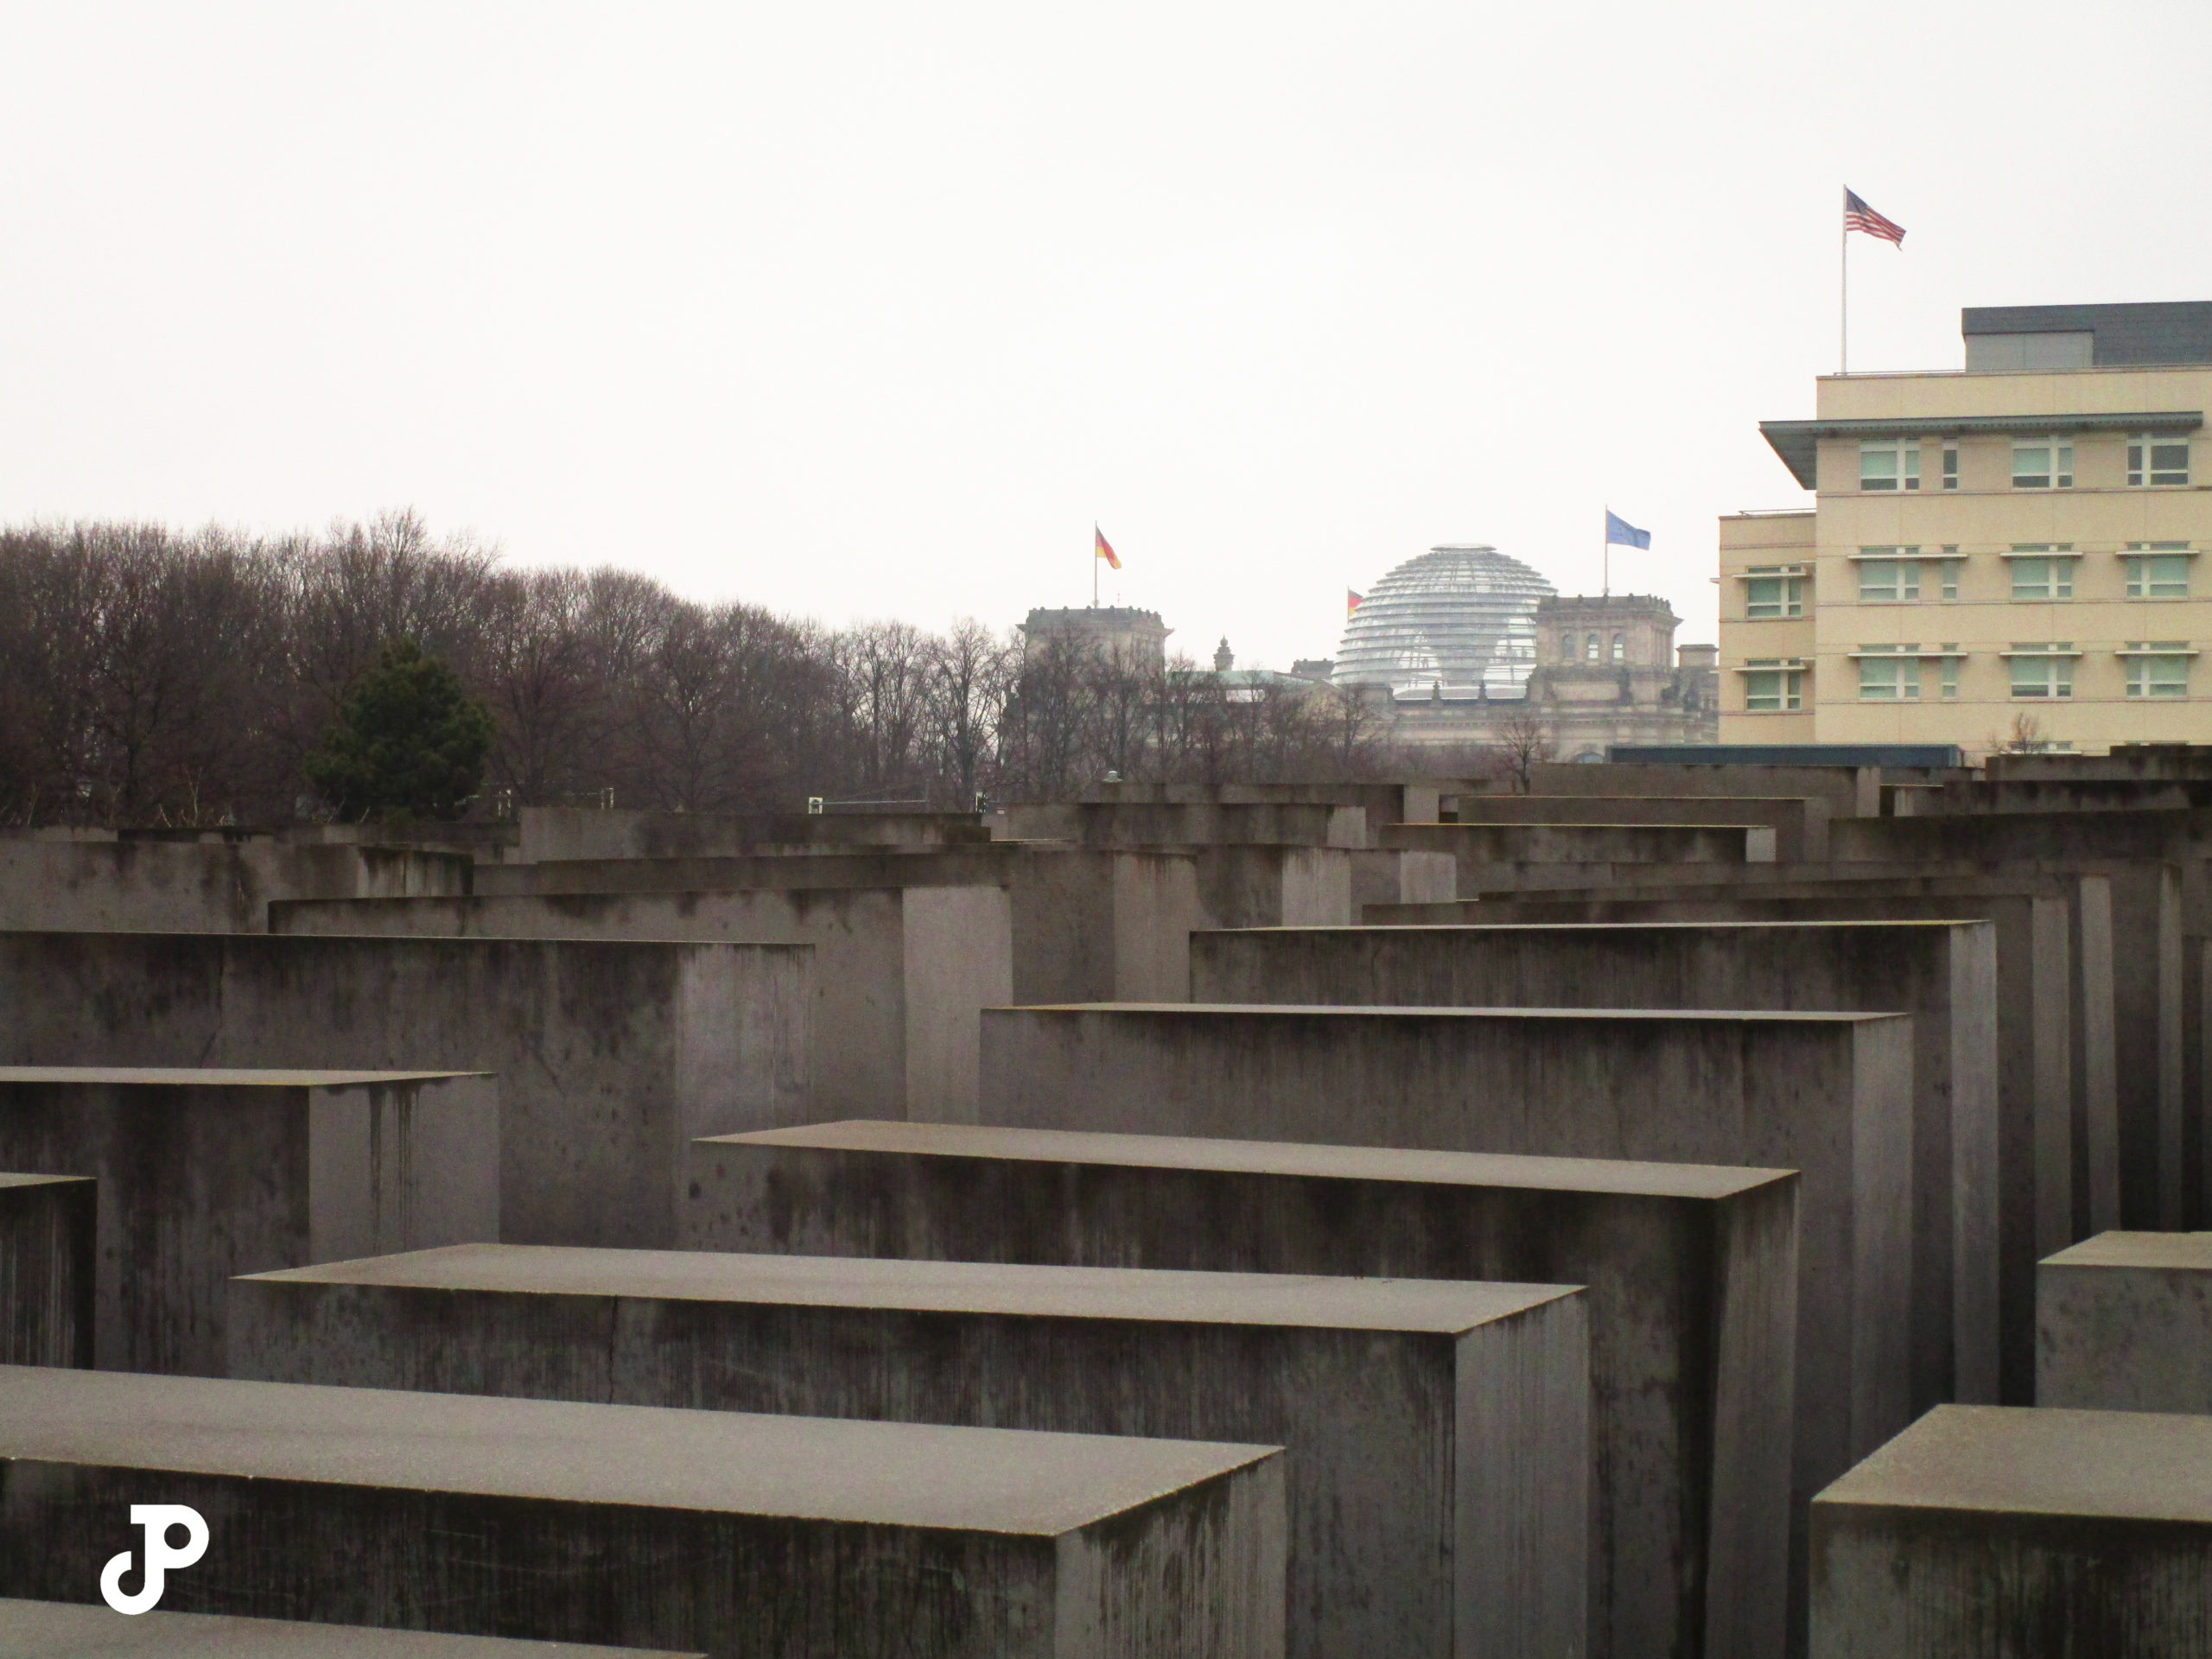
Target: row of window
pixel 1591 649
pixel 2149 669
pixel 1897 576
pixel 2154 461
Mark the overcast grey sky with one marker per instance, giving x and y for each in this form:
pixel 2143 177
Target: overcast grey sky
pixel 868 310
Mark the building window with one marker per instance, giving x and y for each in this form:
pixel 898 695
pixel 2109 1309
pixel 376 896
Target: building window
pixel 2157 460
pixel 1947 673
pixel 2043 577
pixel 1620 648
pixel 1774 596
pixel 1950 466
pixel 1888 673
pixel 2150 675
pixel 1774 690
pixel 1889 466
pixel 2043 464
pixel 2153 573
pixel 1590 648
pixel 1949 569
pixel 1884 580
pixel 2043 671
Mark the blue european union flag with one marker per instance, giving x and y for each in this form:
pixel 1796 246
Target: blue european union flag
pixel 1620 532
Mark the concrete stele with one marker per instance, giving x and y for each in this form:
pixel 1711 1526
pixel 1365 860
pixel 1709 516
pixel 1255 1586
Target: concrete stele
pixel 57 1629
pixel 1691 1274
pixel 2124 1323
pixel 207 1172
pixel 46 1273
pixel 734 1534
pixel 1944 974
pixel 2020 1533
pixel 1437 1430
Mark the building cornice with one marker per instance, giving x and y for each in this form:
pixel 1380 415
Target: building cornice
pixel 1798 442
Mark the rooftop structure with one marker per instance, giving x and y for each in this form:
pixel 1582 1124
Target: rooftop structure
pixel 1459 620
pixel 1111 630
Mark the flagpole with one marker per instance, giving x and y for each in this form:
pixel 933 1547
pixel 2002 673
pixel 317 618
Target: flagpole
pixel 1843 290
pixel 1094 567
pixel 1606 590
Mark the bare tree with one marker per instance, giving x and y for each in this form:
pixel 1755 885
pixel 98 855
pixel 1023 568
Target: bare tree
pixel 1519 745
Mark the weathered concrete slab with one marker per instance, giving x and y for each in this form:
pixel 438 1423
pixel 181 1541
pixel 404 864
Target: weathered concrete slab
pixel 1690 1273
pixel 1411 803
pixel 1274 886
pixel 1103 925
pixel 1944 974
pixel 1829 1094
pixel 1207 823
pixel 1437 1431
pixel 1498 856
pixel 900 974
pixel 1800 824
pixel 2019 1533
pixel 729 1534
pixel 216 883
pixel 610 1056
pixel 202 1174
pixel 2124 1323
pixel 1384 878
pixel 47 1255
pixel 1848 790
pixel 2059 1083
pixel 566 832
pixel 2155 861
pixel 56 1630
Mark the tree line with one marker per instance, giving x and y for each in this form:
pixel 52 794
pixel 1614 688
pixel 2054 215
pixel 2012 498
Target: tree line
pixel 153 678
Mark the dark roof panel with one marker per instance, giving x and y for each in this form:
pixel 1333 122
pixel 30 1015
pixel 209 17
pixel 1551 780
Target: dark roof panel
pixel 2167 331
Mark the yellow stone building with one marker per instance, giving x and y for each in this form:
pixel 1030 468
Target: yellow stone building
pixel 2005 557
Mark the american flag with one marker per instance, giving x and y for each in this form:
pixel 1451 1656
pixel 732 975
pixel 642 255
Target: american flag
pixel 1858 216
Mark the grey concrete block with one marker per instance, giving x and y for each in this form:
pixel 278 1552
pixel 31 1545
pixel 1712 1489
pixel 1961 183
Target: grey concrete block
pixel 551 833
pixel 1800 824
pixel 1944 974
pixel 205 1174
pixel 1691 1274
pixel 1386 878
pixel 899 973
pixel 1492 857
pixel 1192 823
pixel 1274 886
pixel 610 1056
pixel 2124 1323
pixel 222 883
pixel 1090 924
pixel 55 1630
pixel 733 1535
pixel 2057 1145
pixel 1829 1094
pixel 2020 1534
pixel 47 1255
pixel 1436 1432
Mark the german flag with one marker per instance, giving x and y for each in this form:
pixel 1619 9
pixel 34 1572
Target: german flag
pixel 1105 549
pixel 1352 600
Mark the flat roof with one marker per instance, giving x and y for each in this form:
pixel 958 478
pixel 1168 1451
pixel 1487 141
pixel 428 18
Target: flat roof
pixel 60 1630
pixel 2137 1466
pixel 217 1077
pixel 992 1480
pixel 2183 1252
pixel 1355 1011
pixel 1286 1158
pixel 13 1180
pixel 1150 1295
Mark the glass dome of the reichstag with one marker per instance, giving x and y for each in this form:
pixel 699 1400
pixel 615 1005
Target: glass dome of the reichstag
pixel 1463 618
